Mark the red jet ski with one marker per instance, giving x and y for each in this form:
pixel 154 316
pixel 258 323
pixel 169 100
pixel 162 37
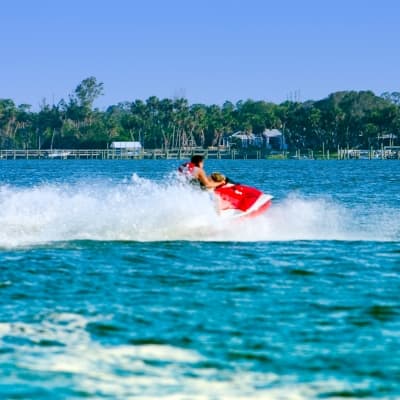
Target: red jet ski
pixel 233 200
pixel 239 201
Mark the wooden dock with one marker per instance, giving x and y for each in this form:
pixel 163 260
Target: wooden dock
pixel 186 153
pixel 385 153
pixel 124 154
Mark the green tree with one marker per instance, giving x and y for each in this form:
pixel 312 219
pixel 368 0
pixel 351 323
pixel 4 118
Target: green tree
pixel 88 91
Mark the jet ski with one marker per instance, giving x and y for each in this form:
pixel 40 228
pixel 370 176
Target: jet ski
pixel 235 200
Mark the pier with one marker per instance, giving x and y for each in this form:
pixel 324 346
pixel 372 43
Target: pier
pixel 386 153
pixel 125 154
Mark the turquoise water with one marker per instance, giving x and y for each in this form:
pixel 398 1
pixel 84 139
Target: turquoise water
pixel 117 281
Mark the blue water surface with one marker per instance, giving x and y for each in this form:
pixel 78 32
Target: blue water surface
pixel 116 281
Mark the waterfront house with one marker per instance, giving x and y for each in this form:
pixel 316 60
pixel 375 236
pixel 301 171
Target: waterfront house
pixel 389 139
pixel 274 139
pixel 270 139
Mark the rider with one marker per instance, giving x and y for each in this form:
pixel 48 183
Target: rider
pixel 195 169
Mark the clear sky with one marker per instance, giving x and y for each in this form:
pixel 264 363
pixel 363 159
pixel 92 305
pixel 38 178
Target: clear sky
pixel 208 51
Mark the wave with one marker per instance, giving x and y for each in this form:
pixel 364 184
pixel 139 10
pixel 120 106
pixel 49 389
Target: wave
pixel 144 210
pixel 61 345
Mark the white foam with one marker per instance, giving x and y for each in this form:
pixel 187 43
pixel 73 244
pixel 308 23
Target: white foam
pixel 123 371
pixel 142 210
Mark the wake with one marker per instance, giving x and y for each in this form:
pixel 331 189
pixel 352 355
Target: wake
pixel 143 210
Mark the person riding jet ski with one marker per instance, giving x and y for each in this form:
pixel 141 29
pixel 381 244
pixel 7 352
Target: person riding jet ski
pixel 194 171
pixel 233 200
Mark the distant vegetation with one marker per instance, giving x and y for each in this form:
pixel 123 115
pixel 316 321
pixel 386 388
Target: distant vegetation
pixel 348 118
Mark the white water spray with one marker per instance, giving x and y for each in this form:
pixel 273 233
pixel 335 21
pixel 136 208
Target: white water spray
pixel 142 210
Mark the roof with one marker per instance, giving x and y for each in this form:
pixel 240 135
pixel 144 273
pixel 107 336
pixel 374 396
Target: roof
pixel 126 145
pixel 242 135
pixel 267 133
pixel 272 133
pixel 388 136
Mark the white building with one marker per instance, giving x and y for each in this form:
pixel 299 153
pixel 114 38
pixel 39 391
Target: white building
pixel 127 147
pixel 274 139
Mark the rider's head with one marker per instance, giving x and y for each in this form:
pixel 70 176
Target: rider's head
pixel 217 177
pixel 197 160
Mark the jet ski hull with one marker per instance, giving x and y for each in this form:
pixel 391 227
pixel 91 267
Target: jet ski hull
pixel 240 201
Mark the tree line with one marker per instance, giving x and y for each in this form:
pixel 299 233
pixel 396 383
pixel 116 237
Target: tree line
pixel 354 119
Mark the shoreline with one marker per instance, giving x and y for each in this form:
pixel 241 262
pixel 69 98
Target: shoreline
pixel 184 154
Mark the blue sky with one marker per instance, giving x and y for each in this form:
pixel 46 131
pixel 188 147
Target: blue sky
pixel 208 51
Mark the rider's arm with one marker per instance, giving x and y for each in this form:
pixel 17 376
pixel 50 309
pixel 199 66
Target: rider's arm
pixel 206 181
